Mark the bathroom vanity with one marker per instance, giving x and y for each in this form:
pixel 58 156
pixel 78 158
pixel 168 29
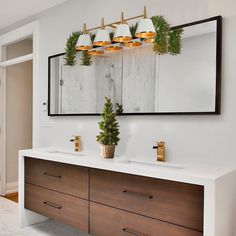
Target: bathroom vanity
pixel 109 197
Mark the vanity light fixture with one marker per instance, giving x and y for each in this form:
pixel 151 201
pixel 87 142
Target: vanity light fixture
pixel 149 40
pixel 145 27
pixel 96 51
pixel 84 42
pixel 122 32
pixel 114 47
pixel 102 36
pixel 133 43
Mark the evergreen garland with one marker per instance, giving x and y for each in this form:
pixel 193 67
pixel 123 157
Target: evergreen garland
pixel 70 50
pixel 86 59
pixel 133 29
pixel 175 45
pixel 160 45
pixel 109 134
pixel 166 41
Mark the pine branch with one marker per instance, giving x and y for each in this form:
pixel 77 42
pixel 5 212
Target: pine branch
pixel 175 44
pixel 86 59
pixel 70 50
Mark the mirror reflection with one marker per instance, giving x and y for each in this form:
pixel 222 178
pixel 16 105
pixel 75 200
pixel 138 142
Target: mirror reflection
pixel 139 80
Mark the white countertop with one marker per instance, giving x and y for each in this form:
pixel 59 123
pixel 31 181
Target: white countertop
pixel 194 173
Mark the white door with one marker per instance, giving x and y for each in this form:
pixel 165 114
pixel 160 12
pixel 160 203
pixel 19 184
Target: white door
pixel 18 64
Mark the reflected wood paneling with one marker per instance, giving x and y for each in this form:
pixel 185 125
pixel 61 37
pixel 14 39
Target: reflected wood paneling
pixel 139 79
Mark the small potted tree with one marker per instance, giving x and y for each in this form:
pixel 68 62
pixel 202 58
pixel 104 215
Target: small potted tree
pixel 109 130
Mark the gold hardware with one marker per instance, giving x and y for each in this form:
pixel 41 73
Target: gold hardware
pixel 84 29
pixel 77 142
pixel 116 23
pixel 160 151
pixel 145 13
pixel 102 23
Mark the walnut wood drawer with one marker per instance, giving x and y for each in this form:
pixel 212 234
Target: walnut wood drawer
pixel 173 202
pixel 67 209
pixel 65 178
pixel 106 221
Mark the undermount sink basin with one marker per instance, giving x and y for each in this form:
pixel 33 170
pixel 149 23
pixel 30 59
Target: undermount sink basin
pixel 65 152
pixel 152 163
pixel 158 163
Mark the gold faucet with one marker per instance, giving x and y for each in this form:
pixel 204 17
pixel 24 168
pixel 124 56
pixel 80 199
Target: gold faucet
pixel 161 155
pixel 77 142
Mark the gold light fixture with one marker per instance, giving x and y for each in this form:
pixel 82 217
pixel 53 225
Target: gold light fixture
pixel 84 42
pixel 149 40
pixel 122 33
pixel 96 51
pixel 133 43
pixel 114 47
pixel 102 37
pixel 145 27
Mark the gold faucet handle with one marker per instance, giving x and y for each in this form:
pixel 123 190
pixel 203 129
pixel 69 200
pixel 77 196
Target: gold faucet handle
pixel 161 144
pixel 75 138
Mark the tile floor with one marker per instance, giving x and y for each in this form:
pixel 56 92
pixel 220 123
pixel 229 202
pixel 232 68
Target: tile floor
pixel 9 224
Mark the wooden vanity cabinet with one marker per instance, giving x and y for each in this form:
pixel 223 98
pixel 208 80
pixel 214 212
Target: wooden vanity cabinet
pixel 58 191
pixel 105 203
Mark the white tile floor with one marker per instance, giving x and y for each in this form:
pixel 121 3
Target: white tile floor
pixel 9 224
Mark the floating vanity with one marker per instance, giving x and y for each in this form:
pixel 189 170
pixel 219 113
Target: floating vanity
pixel 108 197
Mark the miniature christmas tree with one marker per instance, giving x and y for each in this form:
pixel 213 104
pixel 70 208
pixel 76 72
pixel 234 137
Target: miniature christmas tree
pixel 109 134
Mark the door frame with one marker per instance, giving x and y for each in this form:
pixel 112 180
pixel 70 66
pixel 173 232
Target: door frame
pixel 31 29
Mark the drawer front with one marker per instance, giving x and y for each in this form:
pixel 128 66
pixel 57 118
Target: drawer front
pixel 173 202
pixel 67 209
pixel 106 221
pixel 56 176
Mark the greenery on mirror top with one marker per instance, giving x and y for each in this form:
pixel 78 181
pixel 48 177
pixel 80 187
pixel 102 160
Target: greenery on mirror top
pixel 166 41
pixel 86 59
pixel 109 127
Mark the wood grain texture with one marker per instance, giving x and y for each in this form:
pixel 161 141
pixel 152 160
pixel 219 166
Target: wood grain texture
pixel 69 179
pixel 138 80
pixel 78 91
pixel 108 79
pixel 107 221
pixel 12 196
pixel 67 209
pixel 84 87
pixel 173 202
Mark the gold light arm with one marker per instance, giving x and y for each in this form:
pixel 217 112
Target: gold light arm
pixel 116 22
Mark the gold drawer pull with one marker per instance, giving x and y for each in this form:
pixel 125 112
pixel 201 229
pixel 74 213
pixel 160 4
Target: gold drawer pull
pixel 54 176
pixel 52 205
pixel 150 196
pixel 133 232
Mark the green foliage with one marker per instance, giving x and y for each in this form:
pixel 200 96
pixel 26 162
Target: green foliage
pixel 70 50
pixel 109 126
pixel 112 35
pixel 133 29
pixel 86 59
pixel 92 37
pixel 160 45
pixel 175 45
pixel 119 109
pixel 166 40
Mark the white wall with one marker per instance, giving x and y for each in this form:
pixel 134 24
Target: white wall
pixel 202 138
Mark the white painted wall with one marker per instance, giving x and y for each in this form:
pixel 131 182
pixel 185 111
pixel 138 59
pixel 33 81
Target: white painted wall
pixel 204 138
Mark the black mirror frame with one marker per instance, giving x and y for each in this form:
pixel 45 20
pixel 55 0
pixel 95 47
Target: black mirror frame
pixel 217 111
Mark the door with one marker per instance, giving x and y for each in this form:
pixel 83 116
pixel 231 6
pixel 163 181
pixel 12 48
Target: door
pixel 18 66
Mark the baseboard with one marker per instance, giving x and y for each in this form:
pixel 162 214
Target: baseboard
pixel 12 188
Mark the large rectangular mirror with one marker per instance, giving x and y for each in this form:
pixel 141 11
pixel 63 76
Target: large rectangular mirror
pixel 142 82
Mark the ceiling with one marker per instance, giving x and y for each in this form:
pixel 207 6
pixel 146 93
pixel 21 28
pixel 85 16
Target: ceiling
pixel 12 11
